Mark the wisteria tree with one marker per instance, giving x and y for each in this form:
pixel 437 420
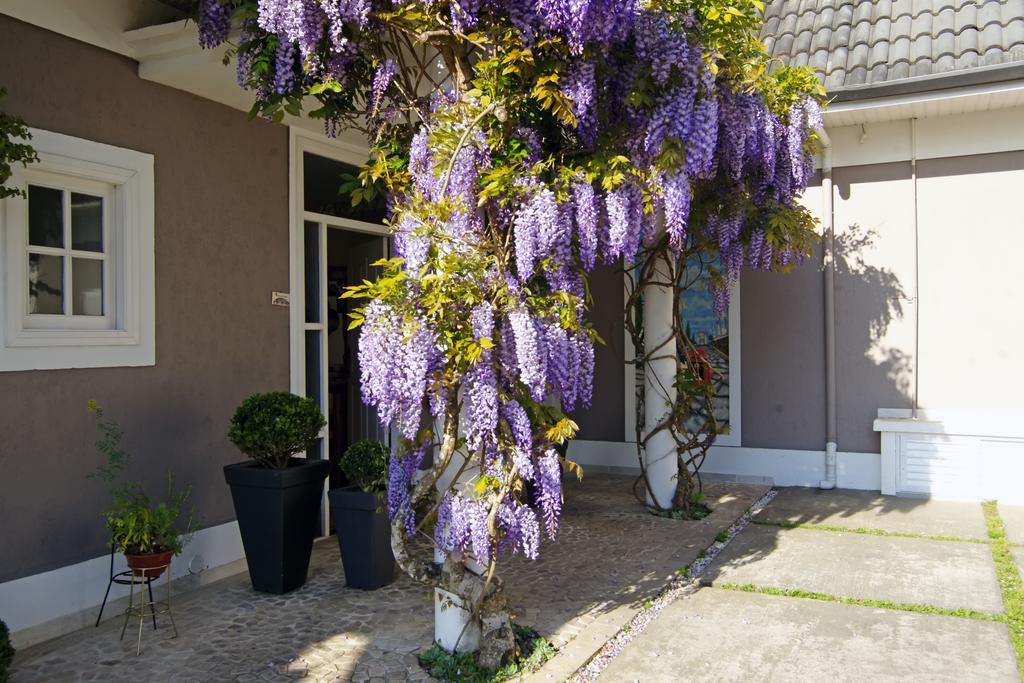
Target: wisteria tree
pixel 519 144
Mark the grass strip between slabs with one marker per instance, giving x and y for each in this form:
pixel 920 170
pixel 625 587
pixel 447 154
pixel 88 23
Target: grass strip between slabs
pixel 1009 579
pixel 862 602
pixel 866 531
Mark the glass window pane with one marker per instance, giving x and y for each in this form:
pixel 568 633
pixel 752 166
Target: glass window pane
pixel 45 217
pixel 87 286
pixel 311 249
pixel 45 284
pixel 313 364
pixel 86 222
pixel 322 178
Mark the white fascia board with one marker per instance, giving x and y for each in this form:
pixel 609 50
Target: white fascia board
pixel 926 104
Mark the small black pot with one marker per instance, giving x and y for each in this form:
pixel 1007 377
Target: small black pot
pixel 278 514
pixel 364 537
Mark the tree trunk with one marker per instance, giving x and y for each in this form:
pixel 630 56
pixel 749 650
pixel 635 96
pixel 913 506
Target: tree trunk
pixel 497 640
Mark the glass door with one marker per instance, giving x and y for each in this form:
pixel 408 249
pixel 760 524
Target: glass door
pixel 323 212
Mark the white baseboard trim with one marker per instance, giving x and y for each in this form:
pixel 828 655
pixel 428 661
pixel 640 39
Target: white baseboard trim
pixel 780 467
pixel 50 604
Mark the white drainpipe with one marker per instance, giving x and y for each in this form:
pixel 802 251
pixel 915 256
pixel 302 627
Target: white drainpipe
pixel 831 438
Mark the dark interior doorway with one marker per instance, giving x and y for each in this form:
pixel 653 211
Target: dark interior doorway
pixel 349 255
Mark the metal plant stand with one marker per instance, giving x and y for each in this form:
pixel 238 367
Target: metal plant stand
pixel 122 579
pixel 143 578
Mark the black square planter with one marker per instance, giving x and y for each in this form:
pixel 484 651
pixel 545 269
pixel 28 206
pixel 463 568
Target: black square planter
pixel 278 514
pixel 364 537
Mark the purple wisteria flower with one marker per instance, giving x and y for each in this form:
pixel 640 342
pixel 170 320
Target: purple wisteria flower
pixel 549 484
pixel 521 528
pixel 481 385
pixel 381 80
pixel 402 470
pixel 295 21
pixel 586 205
pixel 214 23
pixel 530 353
pixel 284 68
pixel 395 357
pixel 532 223
pixel 677 207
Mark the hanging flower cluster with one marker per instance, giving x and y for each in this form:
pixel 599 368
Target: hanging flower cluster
pixel 521 143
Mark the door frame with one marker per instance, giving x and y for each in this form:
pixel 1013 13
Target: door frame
pixel 300 142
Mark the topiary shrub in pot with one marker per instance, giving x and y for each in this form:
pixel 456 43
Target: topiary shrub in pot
pixel 276 495
pixel 361 520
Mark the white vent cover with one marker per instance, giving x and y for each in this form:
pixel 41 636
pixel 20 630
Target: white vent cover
pixel 941 466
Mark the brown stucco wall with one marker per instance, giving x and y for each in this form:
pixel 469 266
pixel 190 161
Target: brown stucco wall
pixel 782 347
pixel 221 248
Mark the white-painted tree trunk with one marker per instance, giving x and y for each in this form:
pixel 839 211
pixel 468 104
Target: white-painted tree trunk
pixel 450 619
pixel 450 616
pixel 659 389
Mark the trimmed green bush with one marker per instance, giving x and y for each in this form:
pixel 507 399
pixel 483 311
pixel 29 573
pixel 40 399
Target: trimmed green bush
pixel 365 464
pixel 6 652
pixel 272 427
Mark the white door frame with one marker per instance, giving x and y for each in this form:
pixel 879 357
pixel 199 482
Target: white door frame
pixel 300 142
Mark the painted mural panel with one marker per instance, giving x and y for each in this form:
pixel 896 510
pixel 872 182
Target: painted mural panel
pixel 710 335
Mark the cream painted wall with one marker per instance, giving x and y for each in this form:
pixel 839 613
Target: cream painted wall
pixel 972 290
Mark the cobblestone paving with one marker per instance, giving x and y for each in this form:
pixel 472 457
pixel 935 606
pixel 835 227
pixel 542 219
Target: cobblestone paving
pixel 610 557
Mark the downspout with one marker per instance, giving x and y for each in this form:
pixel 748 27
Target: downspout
pixel 917 256
pixel 829 244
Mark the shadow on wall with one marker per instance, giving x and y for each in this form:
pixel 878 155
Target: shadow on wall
pixel 873 370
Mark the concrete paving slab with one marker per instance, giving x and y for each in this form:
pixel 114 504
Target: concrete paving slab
pixel 869 510
pixel 580 615
pixel 1013 519
pixel 905 570
pixel 720 635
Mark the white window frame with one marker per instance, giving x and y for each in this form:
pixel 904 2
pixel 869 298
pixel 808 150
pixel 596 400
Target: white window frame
pixel 125 334
pixel 734 437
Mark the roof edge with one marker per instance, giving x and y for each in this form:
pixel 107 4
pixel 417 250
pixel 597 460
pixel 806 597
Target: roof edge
pixel 934 82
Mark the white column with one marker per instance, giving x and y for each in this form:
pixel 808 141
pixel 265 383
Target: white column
pixel 659 388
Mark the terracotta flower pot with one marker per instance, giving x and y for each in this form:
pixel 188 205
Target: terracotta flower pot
pixel 151 564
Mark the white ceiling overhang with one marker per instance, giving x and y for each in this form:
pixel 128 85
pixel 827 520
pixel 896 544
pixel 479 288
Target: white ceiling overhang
pixel 169 54
pixel 928 104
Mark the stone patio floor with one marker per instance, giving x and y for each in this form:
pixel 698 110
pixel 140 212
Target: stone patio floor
pixel 769 610
pixel 610 558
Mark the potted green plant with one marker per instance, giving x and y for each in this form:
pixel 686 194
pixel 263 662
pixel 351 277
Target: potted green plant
pixel 146 532
pixel 361 518
pixel 276 495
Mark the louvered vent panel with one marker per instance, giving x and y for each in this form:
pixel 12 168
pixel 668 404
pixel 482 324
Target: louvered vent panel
pixel 932 466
